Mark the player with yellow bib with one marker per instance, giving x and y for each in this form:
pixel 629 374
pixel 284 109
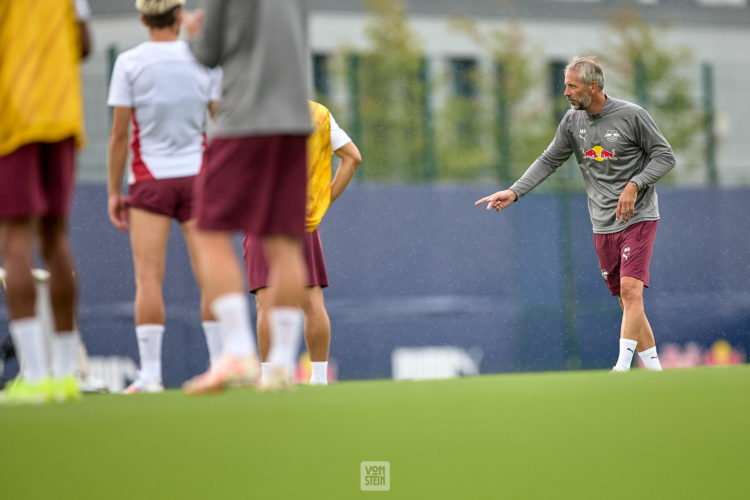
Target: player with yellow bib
pixel 326 139
pixel 41 125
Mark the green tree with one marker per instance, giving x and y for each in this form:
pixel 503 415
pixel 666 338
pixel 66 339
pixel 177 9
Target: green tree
pixel 391 95
pixel 653 73
pixel 463 130
pixel 519 125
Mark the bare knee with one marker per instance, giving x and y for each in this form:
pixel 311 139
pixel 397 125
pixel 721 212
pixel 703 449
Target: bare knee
pixel 631 292
pixel 149 272
pixel 262 301
pixel 54 238
pixel 312 301
pixel 17 243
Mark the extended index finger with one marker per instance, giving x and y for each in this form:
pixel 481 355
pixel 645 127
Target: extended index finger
pixel 483 200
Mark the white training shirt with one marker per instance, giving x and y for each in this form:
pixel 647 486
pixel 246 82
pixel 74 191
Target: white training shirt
pixel 83 10
pixel 169 92
pixel 339 138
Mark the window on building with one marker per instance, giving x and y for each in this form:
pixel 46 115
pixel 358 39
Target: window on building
pixel 321 78
pixel 464 77
pixel 557 87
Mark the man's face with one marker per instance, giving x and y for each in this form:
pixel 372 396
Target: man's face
pixel 578 94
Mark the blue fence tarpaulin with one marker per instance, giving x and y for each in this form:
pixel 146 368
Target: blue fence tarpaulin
pixel 420 266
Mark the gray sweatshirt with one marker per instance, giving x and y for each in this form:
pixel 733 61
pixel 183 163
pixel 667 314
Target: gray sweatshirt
pixel 261 46
pixel 619 144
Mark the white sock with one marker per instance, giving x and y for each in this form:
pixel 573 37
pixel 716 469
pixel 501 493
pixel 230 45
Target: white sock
pixel 232 310
pixel 64 346
pixel 265 373
pixel 627 349
pixel 286 334
pixel 28 338
pixel 319 375
pixel 650 359
pixel 149 348
pixel 212 331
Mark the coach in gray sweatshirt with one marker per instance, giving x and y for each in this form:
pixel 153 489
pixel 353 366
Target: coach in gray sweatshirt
pixel 621 154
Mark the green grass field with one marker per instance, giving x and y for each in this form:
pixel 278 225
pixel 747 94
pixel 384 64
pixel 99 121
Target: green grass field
pixel 680 434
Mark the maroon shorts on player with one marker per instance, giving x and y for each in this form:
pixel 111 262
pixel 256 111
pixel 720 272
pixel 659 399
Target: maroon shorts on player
pixel 254 184
pixel 627 253
pixel 37 179
pixel 257 266
pixel 169 197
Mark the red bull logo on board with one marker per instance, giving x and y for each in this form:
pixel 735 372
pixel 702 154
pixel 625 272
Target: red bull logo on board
pixel 598 153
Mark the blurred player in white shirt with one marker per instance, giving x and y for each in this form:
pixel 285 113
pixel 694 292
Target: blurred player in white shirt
pixel 161 88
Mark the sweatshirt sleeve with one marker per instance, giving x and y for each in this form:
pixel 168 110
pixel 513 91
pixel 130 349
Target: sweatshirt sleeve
pixel 661 157
pixel 555 155
pixel 207 46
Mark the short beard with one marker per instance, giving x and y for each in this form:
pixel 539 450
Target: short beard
pixel 583 104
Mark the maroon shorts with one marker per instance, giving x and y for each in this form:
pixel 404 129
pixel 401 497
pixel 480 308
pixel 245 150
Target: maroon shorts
pixel 627 253
pixel 169 197
pixel 37 179
pixel 254 184
pixel 257 266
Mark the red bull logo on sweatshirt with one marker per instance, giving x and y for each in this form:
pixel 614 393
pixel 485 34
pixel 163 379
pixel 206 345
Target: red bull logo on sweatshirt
pixel 598 153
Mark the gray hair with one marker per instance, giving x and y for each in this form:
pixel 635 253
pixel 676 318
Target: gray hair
pixel 588 70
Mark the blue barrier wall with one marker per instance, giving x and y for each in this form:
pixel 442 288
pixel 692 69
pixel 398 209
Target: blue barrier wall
pixel 421 266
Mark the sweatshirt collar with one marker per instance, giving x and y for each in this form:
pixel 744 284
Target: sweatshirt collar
pixel 605 109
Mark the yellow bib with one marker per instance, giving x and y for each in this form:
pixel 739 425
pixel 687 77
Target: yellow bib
pixel 40 84
pixel 318 166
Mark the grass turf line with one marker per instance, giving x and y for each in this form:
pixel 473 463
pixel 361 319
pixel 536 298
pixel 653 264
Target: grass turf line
pixel 679 434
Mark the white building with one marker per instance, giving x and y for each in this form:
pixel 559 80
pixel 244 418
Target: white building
pixel 717 31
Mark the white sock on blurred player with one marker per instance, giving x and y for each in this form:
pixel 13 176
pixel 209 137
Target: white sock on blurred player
pixel 64 347
pixel 212 331
pixel 319 373
pixel 28 339
pixel 265 373
pixel 627 349
pixel 149 348
pixel 286 334
pixel 232 311
pixel 650 359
